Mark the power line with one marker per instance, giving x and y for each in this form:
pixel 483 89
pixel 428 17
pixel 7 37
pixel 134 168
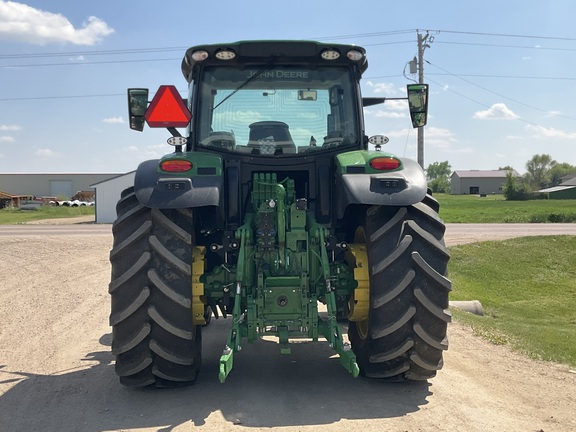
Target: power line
pixel 505 35
pixel 510 76
pixel 539 48
pixel 90 53
pixel 86 63
pixel 367 35
pixel 61 97
pixel 140 51
pixel 184 48
pixel 496 93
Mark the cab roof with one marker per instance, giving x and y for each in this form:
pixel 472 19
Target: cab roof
pixel 285 52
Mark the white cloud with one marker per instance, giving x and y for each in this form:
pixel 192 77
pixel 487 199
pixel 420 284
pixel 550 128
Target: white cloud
pixel 151 151
pixel 24 23
pixel 113 120
pixel 544 132
pixel 396 105
pixel 498 111
pixel 10 128
pixel 444 140
pixel 388 114
pixel 553 113
pixel 392 109
pixel 44 153
pixel 377 88
pixel 439 137
pixel 7 139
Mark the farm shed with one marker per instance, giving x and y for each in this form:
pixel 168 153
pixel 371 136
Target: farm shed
pixel 565 190
pixel 53 185
pixel 8 200
pixel 475 182
pixel 107 195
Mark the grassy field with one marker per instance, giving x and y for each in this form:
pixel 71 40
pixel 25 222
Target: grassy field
pixel 495 209
pixel 527 287
pixel 10 216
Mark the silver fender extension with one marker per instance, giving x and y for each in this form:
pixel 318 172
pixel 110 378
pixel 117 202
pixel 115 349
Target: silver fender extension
pixel 398 188
pixel 163 190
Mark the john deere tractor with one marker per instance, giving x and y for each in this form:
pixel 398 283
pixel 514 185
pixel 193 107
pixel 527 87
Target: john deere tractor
pixel 275 209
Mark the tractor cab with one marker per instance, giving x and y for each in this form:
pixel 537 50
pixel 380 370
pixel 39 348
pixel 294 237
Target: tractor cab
pixel 271 99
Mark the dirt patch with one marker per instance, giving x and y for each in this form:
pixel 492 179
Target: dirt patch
pixel 56 370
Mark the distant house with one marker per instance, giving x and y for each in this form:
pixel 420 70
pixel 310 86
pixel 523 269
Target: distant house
pixel 567 178
pixel 475 182
pixel 565 190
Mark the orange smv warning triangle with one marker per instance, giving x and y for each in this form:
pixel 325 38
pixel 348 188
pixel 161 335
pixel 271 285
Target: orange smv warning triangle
pixel 167 109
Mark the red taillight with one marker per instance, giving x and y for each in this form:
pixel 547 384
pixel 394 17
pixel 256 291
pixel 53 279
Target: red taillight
pixel 385 163
pixel 176 165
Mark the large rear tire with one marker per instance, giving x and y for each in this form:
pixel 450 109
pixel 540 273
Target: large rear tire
pixel 154 339
pixel 405 334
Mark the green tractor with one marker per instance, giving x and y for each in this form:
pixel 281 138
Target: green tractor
pixel 272 210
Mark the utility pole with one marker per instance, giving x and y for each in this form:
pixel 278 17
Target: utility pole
pixel 422 45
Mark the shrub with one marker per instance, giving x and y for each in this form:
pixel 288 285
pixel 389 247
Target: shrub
pixel 515 190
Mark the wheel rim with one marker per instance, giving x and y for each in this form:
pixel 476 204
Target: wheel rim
pixel 362 326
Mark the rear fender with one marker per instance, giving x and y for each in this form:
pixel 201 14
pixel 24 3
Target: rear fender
pixel 175 190
pixel 398 188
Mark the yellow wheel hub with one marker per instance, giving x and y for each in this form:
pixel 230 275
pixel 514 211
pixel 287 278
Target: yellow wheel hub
pixel 359 304
pixel 198 254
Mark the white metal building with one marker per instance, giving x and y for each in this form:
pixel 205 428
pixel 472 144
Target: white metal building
pixel 478 182
pixel 53 185
pixel 107 195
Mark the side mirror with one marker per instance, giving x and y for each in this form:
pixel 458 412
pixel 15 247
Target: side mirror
pixel 418 104
pixel 137 106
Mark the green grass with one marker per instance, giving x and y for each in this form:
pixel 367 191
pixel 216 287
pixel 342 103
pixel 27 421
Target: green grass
pixel 11 216
pixel 527 287
pixel 495 209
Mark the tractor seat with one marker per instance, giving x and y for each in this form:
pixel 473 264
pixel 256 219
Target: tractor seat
pixel 271 137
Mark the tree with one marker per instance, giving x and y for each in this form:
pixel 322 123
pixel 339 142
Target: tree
pixel 506 168
pixel 438 169
pixel 515 189
pixel 438 174
pixel 538 171
pixel 440 185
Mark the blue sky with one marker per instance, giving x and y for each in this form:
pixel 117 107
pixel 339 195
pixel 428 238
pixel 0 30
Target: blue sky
pixel 501 73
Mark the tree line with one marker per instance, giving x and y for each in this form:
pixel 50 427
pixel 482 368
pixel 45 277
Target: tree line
pixel 541 172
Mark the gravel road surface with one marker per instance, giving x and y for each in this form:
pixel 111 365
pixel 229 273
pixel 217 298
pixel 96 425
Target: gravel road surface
pixel 56 371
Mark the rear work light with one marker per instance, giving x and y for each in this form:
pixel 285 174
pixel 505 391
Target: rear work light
pixel 177 165
pixel 225 54
pixel 385 163
pixel 200 55
pixel 354 55
pixel 330 54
